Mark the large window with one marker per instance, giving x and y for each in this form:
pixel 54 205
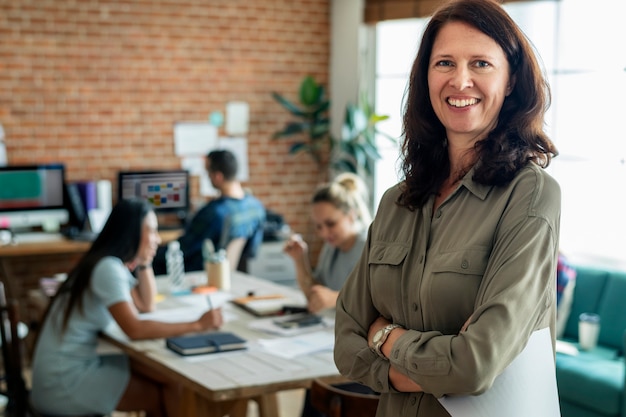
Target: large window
pixel 582 46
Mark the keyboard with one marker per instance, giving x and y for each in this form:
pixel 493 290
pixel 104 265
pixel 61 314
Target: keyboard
pixel 36 237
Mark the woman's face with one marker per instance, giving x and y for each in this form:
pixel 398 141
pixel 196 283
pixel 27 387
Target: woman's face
pixel 150 238
pixel 332 224
pixel 468 80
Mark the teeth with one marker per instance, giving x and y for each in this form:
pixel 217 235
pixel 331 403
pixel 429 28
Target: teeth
pixel 462 103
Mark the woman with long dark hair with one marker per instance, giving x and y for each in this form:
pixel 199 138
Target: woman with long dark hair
pixel 69 376
pixel 458 268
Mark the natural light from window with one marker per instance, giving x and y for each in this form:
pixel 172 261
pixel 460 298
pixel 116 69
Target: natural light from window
pixel 587 74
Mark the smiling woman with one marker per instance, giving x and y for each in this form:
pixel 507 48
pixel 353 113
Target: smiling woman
pixel 459 262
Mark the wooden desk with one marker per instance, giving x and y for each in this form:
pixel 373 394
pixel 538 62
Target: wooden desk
pixel 219 384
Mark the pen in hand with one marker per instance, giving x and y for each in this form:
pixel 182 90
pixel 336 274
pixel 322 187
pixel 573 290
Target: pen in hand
pixel 208 299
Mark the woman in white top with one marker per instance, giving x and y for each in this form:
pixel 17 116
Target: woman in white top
pixel 341 216
pixel 69 376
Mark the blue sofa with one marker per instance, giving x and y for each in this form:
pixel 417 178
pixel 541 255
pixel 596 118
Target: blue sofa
pixel 592 383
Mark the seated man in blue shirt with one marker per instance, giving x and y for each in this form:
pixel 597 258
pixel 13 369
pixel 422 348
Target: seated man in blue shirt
pixel 243 213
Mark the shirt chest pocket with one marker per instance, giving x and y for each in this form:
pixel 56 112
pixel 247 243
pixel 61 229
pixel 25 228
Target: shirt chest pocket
pixel 391 255
pixel 385 270
pixel 465 262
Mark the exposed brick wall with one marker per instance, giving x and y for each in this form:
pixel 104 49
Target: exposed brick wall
pixel 98 84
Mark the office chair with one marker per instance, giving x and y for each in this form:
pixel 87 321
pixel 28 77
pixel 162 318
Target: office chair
pixel 234 249
pixel 335 402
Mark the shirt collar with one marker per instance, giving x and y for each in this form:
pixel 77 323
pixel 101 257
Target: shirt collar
pixel 479 190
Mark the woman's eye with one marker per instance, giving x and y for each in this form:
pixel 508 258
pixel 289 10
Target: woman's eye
pixel 482 64
pixel 443 63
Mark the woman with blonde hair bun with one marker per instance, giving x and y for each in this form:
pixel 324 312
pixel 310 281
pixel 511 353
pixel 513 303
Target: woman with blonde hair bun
pixel 341 217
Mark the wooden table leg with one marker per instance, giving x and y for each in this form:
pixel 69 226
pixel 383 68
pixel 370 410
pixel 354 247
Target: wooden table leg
pixel 193 405
pixel 268 405
pixel 238 408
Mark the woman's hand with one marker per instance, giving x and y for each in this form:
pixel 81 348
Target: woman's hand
pixel 296 247
pixel 320 298
pixel 211 320
pixel 138 261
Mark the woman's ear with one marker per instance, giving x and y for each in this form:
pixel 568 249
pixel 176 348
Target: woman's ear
pixel 510 86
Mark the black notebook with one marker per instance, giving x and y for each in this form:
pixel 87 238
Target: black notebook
pixel 205 343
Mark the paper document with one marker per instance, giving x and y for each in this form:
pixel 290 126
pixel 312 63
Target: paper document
pixel 527 387
pixel 290 347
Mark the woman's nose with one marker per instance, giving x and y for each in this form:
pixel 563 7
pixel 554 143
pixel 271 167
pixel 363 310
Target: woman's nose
pixel 461 78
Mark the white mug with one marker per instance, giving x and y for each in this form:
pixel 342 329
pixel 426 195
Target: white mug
pixel 588 330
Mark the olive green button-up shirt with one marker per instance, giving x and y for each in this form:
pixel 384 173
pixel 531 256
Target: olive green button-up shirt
pixel 486 252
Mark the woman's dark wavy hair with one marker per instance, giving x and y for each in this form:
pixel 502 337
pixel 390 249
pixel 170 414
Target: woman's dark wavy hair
pixel 120 237
pixel 518 136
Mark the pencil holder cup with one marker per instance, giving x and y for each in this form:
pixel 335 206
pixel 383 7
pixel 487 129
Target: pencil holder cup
pixel 218 271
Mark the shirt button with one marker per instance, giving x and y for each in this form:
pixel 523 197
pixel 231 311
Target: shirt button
pixel 438 215
pixel 414 366
pixel 380 257
pixel 413 400
pixel 415 307
pixel 465 264
pixel 395 354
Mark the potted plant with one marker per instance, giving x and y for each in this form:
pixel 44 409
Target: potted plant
pixel 311 126
pixel 355 150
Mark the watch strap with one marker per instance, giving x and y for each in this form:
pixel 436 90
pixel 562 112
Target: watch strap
pixel 383 338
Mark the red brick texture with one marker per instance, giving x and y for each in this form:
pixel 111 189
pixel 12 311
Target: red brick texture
pixel 98 84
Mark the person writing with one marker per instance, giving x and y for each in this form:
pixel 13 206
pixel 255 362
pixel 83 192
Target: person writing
pixel 341 217
pixel 458 267
pixel 69 377
pixel 243 214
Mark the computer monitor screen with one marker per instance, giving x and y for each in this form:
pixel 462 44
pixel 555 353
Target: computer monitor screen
pixel 32 195
pixel 166 190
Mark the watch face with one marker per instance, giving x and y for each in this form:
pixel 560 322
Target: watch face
pixel 378 335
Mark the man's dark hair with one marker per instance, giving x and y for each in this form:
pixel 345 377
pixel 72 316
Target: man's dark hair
pixel 225 162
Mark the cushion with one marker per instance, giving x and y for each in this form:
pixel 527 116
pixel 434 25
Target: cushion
pixel 612 311
pixel 594 381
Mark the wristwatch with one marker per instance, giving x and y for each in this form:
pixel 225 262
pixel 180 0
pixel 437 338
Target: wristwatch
pixel 380 337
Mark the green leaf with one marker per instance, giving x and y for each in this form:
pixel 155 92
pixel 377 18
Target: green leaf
pixel 375 118
pixel 371 151
pixel 290 129
pixel 310 91
pixel 291 108
pixel 298 147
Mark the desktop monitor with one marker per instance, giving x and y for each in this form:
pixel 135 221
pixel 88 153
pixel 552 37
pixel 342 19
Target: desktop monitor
pixel 32 196
pixel 166 190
